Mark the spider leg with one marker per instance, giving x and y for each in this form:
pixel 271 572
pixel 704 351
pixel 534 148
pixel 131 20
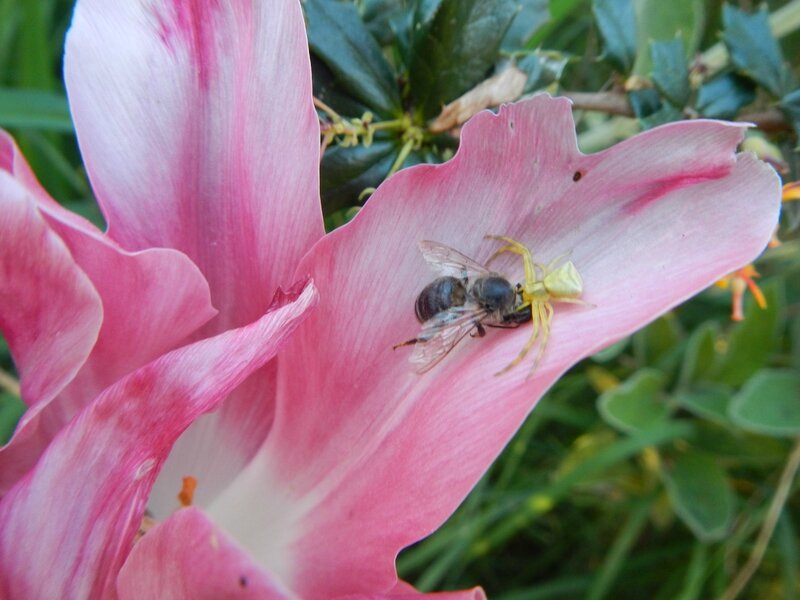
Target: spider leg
pixel 546 317
pixel 535 319
pixel 515 247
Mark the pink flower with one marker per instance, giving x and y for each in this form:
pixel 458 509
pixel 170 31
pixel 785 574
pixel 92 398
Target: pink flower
pixel 197 129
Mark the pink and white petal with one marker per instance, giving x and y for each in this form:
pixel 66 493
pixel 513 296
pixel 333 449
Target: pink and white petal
pixel 151 301
pixel 365 456
pixel 50 313
pixel 74 516
pixel 198 131
pixel 188 556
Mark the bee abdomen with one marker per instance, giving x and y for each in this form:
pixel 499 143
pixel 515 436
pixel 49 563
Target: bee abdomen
pixel 438 296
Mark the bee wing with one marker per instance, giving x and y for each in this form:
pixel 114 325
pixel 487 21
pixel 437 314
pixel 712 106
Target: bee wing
pixel 449 261
pixel 442 332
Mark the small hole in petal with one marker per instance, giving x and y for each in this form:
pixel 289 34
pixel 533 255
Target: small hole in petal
pixel 243 581
pixel 511 124
pixel 577 176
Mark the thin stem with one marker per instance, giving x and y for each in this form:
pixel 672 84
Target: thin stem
pixel 326 109
pixel 9 383
pixel 768 526
pixel 398 162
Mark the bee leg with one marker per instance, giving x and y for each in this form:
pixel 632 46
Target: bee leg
pixel 406 343
pixel 479 331
pixel 546 317
pixel 535 318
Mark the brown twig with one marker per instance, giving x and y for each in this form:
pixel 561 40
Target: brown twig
pixel 768 527
pixel 616 103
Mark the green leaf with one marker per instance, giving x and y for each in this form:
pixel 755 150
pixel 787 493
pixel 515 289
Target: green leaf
pixel 701 495
pixel 346 172
pixel 790 105
pixel 769 403
pixel 531 16
pixel 456 50
pixel 663 21
pixel 724 96
pixel 754 50
pixel 612 351
pixel 698 359
pixel 11 409
pixel 656 341
pixel 338 36
pixel 731 444
pixel 616 20
pixel 34 109
pixel 752 341
pixel 670 73
pixel 635 405
pixel 709 403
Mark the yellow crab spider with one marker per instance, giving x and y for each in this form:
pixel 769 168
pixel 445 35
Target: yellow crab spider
pixel 544 284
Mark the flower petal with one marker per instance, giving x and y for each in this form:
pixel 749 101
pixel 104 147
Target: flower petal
pixel 151 301
pixel 197 128
pixel 198 131
pixel 67 526
pixel 50 313
pixel 187 556
pixel 365 456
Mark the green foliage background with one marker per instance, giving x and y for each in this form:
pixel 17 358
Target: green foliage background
pixel 654 469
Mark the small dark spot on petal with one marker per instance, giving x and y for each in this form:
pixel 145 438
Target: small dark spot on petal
pixel 511 124
pixel 243 581
pixel 577 176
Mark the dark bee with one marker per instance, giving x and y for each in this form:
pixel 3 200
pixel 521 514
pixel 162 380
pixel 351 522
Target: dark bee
pixel 466 297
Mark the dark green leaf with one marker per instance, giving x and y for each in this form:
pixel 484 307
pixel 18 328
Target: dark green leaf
pixel 670 73
pixel 338 36
pixel 710 403
pixel 616 20
pixel 11 409
pixel 34 109
pixel 769 403
pixel 531 16
pixel 456 50
pixel 752 340
pixel 754 50
pixel 385 18
pixel 790 105
pixel 635 405
pixel 723 97
pixel 346 172
pixel 328 89
pixel 701 495
pixel 644 102
pixel 666 114
pixel 542 69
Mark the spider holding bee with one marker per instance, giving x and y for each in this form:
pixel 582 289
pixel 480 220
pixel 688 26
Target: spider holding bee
pixel 468 295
